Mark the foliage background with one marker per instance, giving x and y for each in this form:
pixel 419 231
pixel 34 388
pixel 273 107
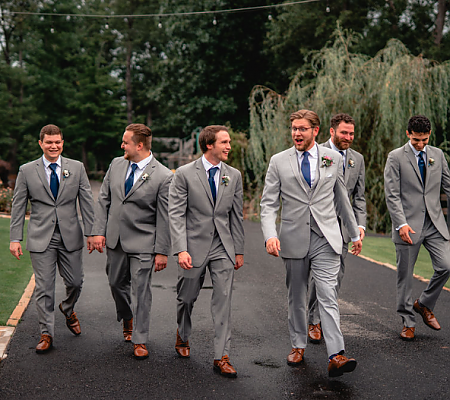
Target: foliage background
pixel 379 60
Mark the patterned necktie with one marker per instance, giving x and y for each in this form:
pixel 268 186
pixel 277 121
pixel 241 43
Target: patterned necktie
pixel 306 168
pixel 212 184
pixel 54 182
pixel 130 180
pixel 343 160
pixel 422 166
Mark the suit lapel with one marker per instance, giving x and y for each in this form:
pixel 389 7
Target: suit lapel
pixel 149 169
pixel 348 169
pixel 293 159
pixel 62 180
pixel 40 169
pixel 321 151
pixel 223 172
pixel 201 174
pixel 412 159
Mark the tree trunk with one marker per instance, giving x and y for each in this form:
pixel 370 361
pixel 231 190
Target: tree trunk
pixel 149 118
pixel 128 74
pixel 84 157
pixel 440 21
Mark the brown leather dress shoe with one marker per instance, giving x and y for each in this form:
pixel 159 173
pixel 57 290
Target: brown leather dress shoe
pixel 45 344
pixel 295 357
pixel 127 329
pixel 140 351
pixel 72 322
pixel 427 315
pixel 407 333
pixel 315 333
pixel 224 367
pixel 340 364
pixel 182 348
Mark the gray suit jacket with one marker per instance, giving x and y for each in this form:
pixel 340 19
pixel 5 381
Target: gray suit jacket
pixel 354 179
pixel 285 186
pixel 139 220
pixel 194 218
pixel 407 199
pixel 32 184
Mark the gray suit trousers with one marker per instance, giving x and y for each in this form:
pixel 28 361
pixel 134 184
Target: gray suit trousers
pixel 313 304
pixel 189 284
pixel 439 249
pixel 323 263
pixel 130 278
pixel 70 267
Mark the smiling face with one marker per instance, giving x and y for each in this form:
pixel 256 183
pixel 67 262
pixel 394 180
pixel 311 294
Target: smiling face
pixel 52 147
pixel 418 139
pixel 303 134
pixel 218 151
pixel 343 135
pixel 131 149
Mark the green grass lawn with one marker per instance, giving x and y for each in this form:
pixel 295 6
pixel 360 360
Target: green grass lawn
pixel 383 249
pixel 14 274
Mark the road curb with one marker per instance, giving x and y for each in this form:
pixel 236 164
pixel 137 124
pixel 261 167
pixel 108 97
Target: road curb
pixel 390 266
pixel 6 332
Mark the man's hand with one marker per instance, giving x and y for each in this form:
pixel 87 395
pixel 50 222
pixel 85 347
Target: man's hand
pixel 97 243
pixel 404 233
pixel 90 244
pixel 16 249
pixel 160 262
pixel 357 247
pixel 184 260
pixel 239 261
pixel 273 246
pixel 362 233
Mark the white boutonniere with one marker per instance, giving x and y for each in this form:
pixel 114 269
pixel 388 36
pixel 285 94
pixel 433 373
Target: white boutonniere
pixel 326 161
pixel 430 162
pixel 144 177
pixel 351 163
pixel 66 173
pixel 225 180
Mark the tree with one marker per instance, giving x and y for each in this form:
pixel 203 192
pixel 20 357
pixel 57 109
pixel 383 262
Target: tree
pixel 380 92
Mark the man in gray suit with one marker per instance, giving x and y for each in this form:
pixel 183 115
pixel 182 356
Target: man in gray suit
pixel 53 184
pixel 131 221
pixel 342 133
pixel 308 181
pixel 206 225
pixel 413 177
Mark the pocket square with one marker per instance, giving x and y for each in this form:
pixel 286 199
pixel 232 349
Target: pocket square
pixel 329 176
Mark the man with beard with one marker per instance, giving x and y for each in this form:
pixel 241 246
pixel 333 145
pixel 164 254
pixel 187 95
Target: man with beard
pixel 342 132
pixel 307 181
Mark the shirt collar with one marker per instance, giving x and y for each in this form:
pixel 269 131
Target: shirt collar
pixel 143 163
pixel 207 165
pixel 416 153
pixel 47 163
pixel 333 147
pixel 313 151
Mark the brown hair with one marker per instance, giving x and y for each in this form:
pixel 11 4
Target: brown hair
pixel 311 116
pixel 208 136
pixel 141 134
pixel 338 118
pixel 50 130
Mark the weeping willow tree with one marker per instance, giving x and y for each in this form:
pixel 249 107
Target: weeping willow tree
pixel 380 93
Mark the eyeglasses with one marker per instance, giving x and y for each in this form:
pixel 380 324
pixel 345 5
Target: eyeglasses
pixel 301 129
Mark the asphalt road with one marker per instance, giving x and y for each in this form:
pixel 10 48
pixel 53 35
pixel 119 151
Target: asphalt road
pixel 99 364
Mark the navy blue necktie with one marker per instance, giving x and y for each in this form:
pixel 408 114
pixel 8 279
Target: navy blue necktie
pixel 422 166
pixel 306 168
pixel 130 180
pixel 54 182
pixel 343 160
pixel 212 184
